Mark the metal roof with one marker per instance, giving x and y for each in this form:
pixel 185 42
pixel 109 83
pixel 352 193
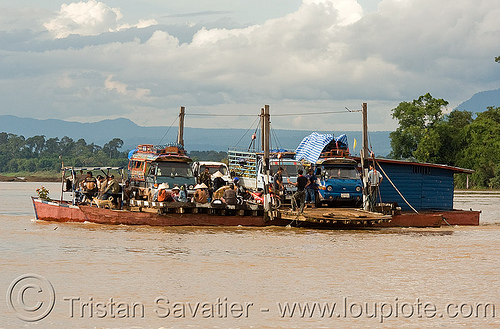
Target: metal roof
pixel 456 170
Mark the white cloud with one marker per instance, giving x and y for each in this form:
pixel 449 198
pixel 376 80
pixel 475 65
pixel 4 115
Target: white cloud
pixel 89 18
pixel 322 57
pixel 124 90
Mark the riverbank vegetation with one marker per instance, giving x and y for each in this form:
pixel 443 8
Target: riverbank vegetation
pixel 39 158
pixel 24 156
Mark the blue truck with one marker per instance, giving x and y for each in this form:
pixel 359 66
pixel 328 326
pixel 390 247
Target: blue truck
pixel 339 182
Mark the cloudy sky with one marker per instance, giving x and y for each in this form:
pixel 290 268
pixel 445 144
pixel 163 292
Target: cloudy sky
pixel 143 59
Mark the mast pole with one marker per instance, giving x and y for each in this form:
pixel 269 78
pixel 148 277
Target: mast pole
pixel 265 135
pixel 262 129
pixel 180 133
pixel 365 157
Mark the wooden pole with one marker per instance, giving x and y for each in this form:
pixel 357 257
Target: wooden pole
pixel 265 135
pixel 365 156
pixel 262 129
pixel 180 133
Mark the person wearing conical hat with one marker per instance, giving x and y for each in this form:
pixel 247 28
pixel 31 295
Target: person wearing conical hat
pixel 163 194
pixel 175 193
pixel 201 194
pixel 218 180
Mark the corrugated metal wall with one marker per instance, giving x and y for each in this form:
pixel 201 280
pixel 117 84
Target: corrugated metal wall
pixel 425 188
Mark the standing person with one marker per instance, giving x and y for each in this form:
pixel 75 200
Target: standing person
pixel 278 183
pixel 206 178
pixel 311 188
pixel 374 180
pixel 90 186
pixel 128 192
pixel 299 197
pixel 102 183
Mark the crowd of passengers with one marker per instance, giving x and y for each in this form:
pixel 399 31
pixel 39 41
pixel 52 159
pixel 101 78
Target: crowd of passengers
pixel 209 188
pixel 89 187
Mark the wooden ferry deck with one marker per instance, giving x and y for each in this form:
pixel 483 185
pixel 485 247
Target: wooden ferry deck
pixel 327 217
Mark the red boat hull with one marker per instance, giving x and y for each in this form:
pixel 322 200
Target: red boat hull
pixel 57 211
pixel 65 212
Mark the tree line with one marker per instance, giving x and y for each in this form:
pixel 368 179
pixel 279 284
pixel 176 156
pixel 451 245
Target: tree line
pixel 427 134
pixel 38 153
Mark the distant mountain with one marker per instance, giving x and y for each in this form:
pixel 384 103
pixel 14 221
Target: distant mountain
pixel 195 139
pixel 480 101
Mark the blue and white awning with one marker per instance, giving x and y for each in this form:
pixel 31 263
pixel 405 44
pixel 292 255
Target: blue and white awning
pixel 311 146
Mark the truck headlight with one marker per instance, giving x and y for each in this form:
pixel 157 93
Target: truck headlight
pixel 329 188
pixel 191 187
pixel 358 188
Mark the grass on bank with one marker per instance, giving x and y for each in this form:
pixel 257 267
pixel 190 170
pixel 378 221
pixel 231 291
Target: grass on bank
pixel 38 176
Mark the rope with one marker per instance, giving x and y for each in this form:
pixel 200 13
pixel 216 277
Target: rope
pixel 390 181
pixel 253 141
pixel 315 113
pixel 246 131
pixel 274 115
pixel 220 115
pixel 442 217
pixel 276 140
pixel 161 140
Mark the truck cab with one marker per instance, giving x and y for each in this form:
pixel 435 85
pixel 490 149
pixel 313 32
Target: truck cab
pixel 151 165
pixel 213 167
pixel 339 182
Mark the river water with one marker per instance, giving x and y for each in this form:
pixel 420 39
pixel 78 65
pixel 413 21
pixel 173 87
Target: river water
pixel 148 277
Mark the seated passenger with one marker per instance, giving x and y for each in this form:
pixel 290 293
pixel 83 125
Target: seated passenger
pixel 175 193
pixel 229 196
pixel 218 180
pixel 163 194
pixel 112 188
pixel 182 194
pixel 201 195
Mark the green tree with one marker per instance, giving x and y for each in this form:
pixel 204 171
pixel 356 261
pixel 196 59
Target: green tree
pixel 445 139
pixel 415 120
pixel 482 150
pixel 112 147
pixel 36 144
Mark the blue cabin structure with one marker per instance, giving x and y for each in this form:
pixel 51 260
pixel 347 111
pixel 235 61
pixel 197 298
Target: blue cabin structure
pixel 425 186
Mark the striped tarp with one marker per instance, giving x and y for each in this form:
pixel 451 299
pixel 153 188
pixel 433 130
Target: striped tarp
pixel 342 140
pixel 311 146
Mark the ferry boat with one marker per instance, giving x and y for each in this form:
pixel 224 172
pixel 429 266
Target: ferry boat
pixel 147 165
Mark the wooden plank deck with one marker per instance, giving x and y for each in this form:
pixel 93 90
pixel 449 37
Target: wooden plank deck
pixel 336 216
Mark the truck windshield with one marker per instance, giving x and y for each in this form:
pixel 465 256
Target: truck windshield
pixel 288 169
pixel 213 168
pixel 340 173
pixel 174 169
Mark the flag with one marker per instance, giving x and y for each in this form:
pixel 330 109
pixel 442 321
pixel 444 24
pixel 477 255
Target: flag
pixel 354 145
